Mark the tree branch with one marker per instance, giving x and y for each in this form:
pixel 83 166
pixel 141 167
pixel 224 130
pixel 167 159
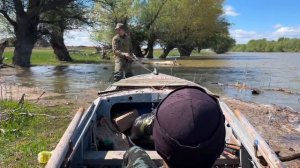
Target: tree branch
pixel 19 7
pixel 45 115
pixel 50 5
pixel 8 18
pixel 156 15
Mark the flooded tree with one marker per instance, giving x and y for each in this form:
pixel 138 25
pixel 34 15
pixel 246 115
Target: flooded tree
pixel 186 24
pixel 148 15
pixel 220 41
pixel 140 17
pixel 25 16
pixel 3 45
pixel 181 24
pixel 55 23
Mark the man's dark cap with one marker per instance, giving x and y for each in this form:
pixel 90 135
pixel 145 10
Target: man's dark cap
pixel 189 128
pixel 120 26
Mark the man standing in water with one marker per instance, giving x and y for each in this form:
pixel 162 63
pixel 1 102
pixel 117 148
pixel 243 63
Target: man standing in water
pixel 2 48
pixel 122 49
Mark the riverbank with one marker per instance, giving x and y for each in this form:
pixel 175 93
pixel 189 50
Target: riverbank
pixel 28 128
pixel 46 56
pixel 22 142
pixel 87 55
pixel 280 127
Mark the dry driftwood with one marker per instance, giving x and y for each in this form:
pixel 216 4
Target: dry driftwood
pixel 6 65
pixel 38 99
pixel 45 115
pixel 254 90
pixel 290 157
pixel 21 101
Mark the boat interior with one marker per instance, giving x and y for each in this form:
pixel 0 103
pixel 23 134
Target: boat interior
pixel 104 133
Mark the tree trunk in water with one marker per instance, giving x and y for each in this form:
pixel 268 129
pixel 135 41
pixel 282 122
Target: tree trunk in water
pixel 185 51
pixel 137 51
pixel 59 47
pixel 2 48
pixel 166 51
pixel 151 43
pixel 26 36
pixel 199 49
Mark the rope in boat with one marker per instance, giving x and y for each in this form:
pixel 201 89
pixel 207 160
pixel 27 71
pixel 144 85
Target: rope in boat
pixel 136 60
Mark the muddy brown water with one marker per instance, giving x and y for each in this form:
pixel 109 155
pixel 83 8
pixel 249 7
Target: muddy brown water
pixel 259 70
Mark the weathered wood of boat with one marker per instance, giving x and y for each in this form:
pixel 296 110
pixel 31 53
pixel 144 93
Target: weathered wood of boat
pixel 81 144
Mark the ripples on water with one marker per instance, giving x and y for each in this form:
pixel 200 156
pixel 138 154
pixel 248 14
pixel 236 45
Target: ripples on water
pixel 259 70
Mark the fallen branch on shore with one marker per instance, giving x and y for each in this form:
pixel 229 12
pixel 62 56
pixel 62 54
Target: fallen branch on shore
pixel 255 91
pixel 45 115
pixel 3 131
pixel 284 91
pixel 5 116
pixel 38 99
pixel 21 101
pixel 3 65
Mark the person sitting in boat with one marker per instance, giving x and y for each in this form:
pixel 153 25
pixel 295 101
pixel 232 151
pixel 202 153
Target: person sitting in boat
pixel 188 131
pixel 122 49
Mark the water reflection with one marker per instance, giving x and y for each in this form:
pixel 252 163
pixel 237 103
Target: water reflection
pixel 61 84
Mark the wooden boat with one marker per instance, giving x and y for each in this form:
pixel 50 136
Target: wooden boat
pixel 79 146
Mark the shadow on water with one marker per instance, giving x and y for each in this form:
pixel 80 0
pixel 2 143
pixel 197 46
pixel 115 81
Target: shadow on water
pixel 255 70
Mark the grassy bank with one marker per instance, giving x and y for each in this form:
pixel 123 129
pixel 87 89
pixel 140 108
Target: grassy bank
pixel 175 52
pixel 23 136
pixel 45 56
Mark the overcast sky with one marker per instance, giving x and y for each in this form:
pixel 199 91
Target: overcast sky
pixel 250 19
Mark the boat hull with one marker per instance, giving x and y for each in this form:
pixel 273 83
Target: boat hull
pixel 143 93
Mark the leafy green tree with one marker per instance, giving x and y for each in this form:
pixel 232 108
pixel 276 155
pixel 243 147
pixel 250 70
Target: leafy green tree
pixel 222 43
pixel 107 13
pixel 147 16
pixel 54 24
pixel 139 16
pixel 25 16
pixel 185 24
pixel 262 45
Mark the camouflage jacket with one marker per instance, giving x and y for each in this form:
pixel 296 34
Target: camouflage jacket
pixel 121 45
pixel 136 157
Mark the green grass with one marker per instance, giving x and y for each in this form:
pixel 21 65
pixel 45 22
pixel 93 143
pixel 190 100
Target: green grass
pixel 25 136
pixel 45 56
pixel 175 52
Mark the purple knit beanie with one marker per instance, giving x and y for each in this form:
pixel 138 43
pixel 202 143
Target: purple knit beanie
pixel 189 128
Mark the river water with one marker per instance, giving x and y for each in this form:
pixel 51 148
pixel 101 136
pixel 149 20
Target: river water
pixel 264 71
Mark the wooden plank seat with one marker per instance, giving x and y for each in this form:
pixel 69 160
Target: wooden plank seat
pixel 115 158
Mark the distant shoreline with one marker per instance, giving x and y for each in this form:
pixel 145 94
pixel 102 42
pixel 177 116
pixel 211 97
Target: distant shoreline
pixel 260 52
